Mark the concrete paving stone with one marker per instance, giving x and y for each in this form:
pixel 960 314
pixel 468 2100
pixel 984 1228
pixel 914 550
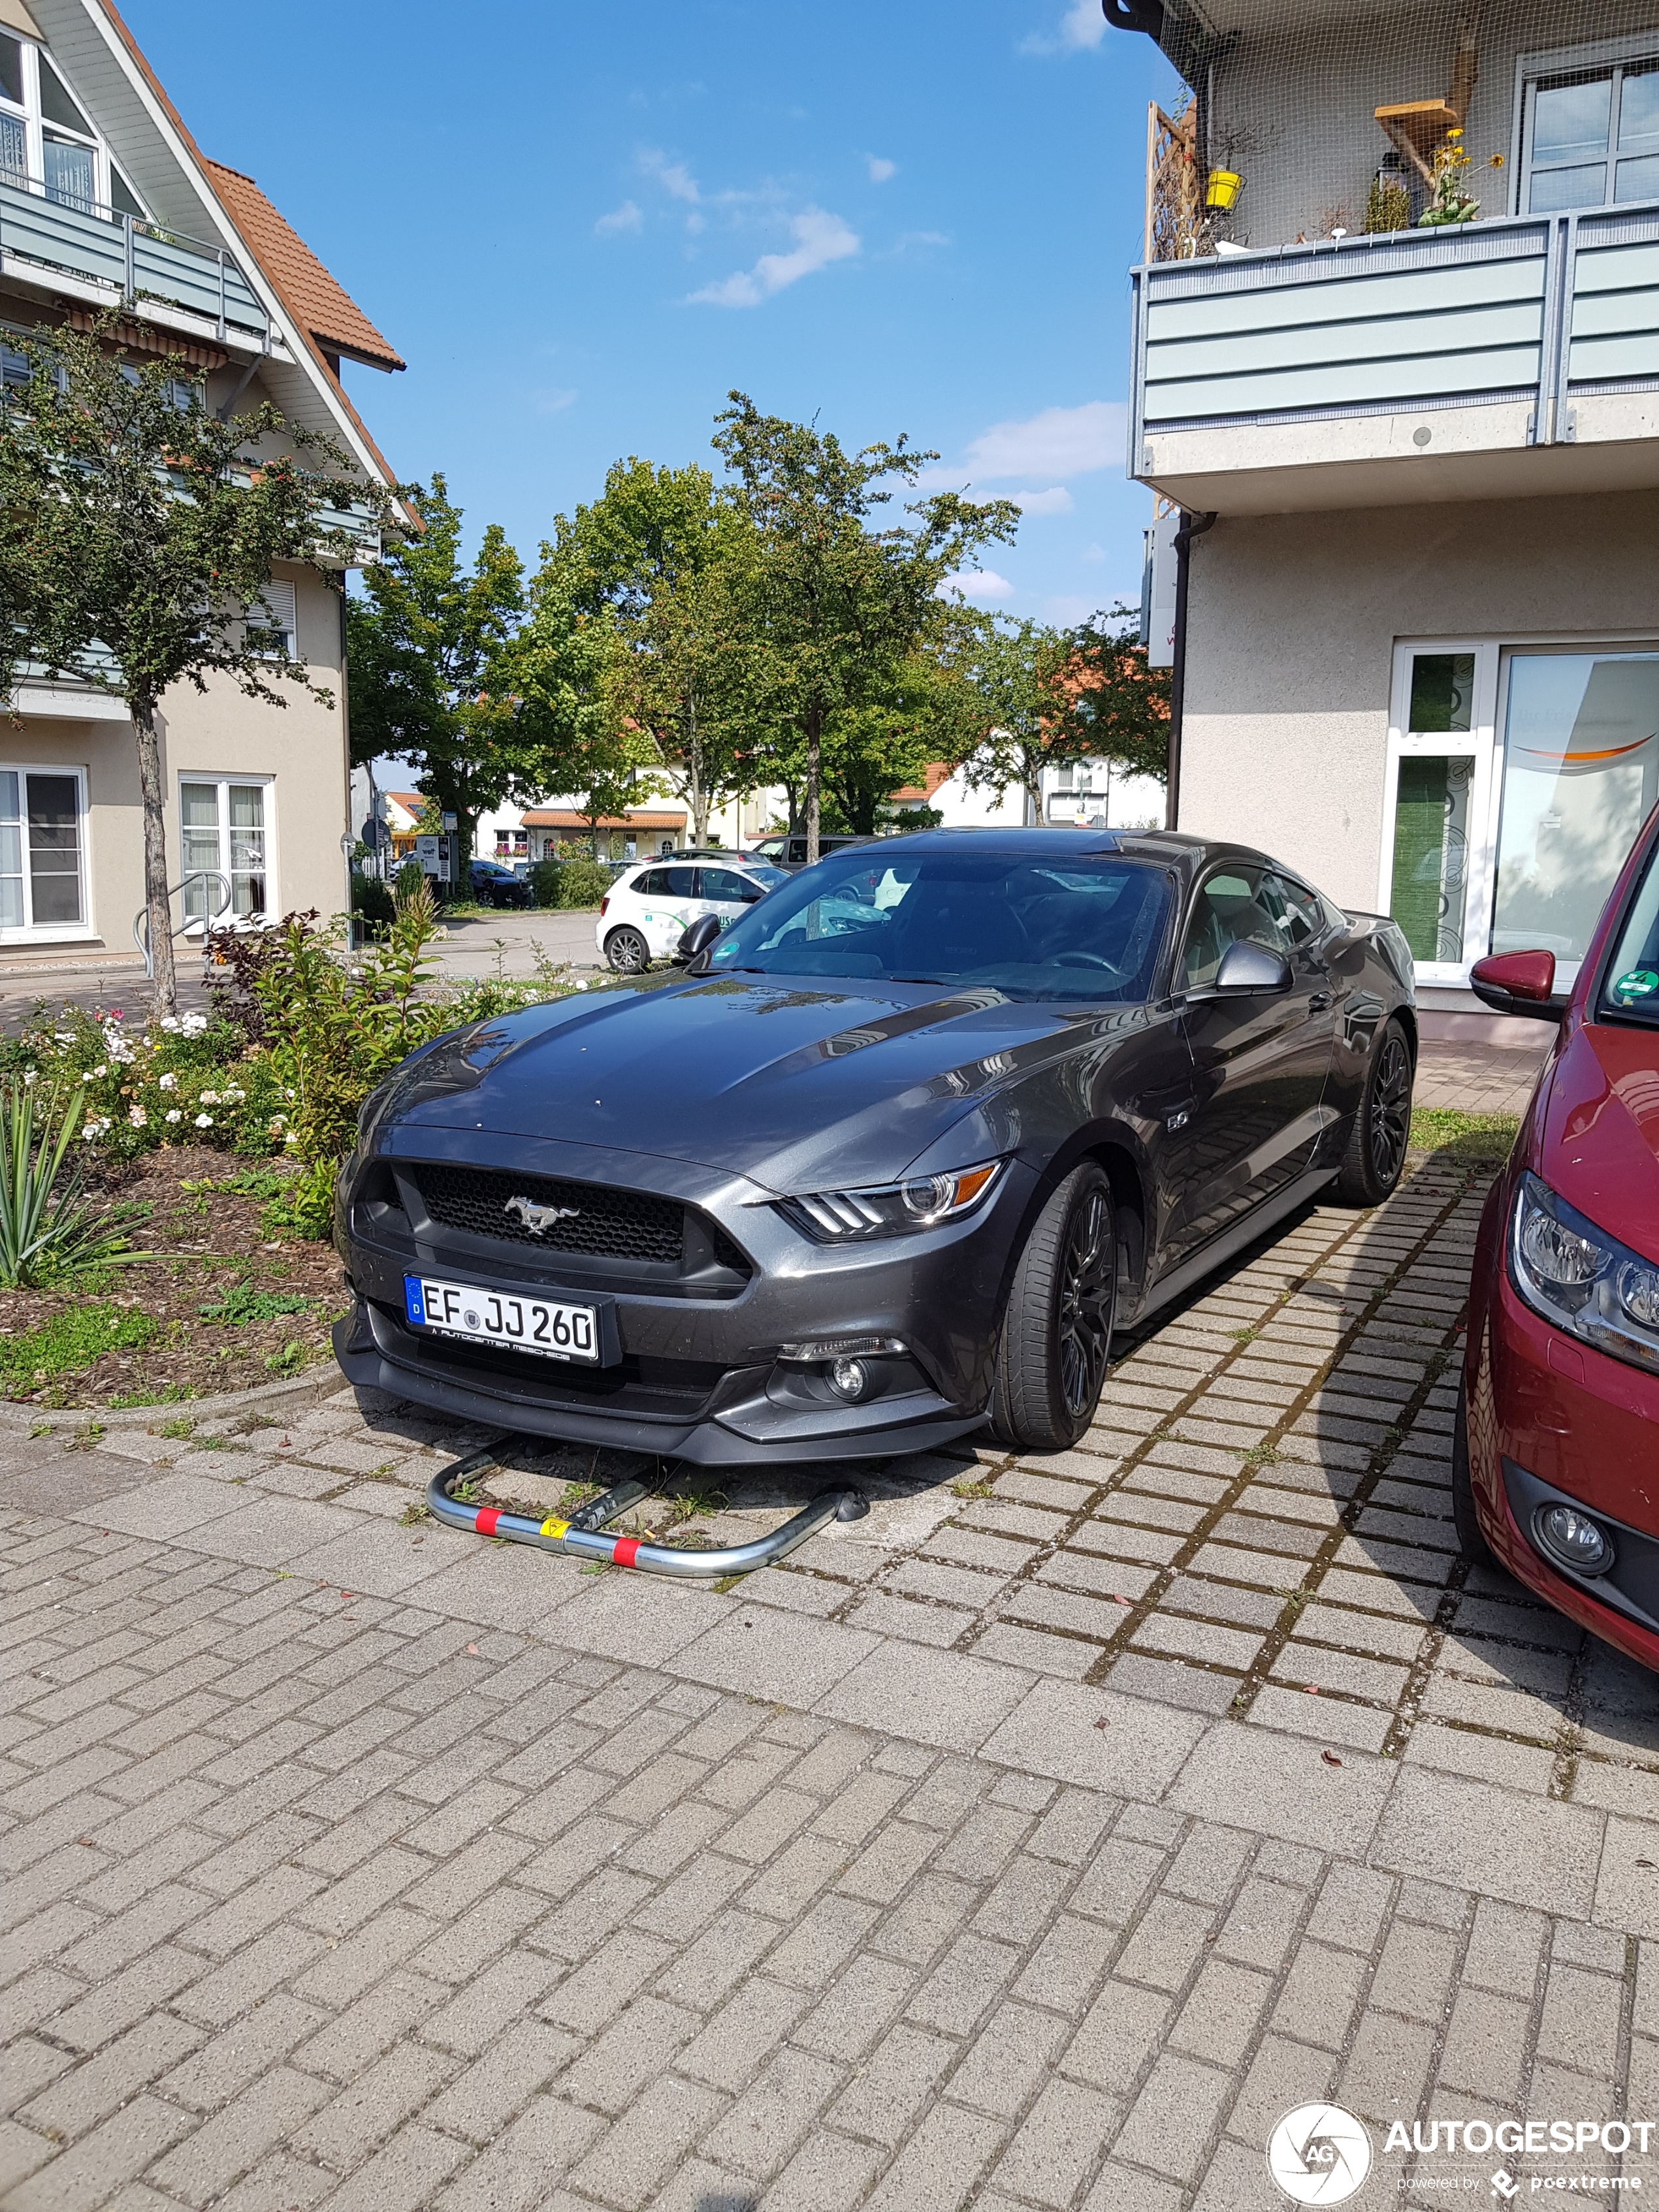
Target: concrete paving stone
pixel 1531 1852
pixel 1388 2067
pixel 1409 1563
pixel 1041 1651
pixel 1617 1787
pixel 971 1588
pixel 1124 1539
pixel 1148 1510
pixel 1013 2055
pixel 828 2173
pixel 858 2009
pixel 1349 1629
pixel 1171 2122
pixel 91 2170
pixel 1180 1635
pixel 1253 1779
pixel 1003 1555
pixel 168 1507
pixel 1262 1571
pixel 639 2046
pixel 1302 1663
pixel 1219 2021
pixel 1284 2072
pixel 1379 1594
pixel 1326 1720
pixel 893 2085
pixel 1415 1971
pixel 1209 1862
pixel 1485 1758
pixel 1320 1993
pixel 1191 1687
pixel 1053 1731
pixel 1498 1665
pixel 940 2168
pixel 267 2114
pixel 766 1655
pixel 1581 2019
pixel 1057 2148
pixel 1485 2053
pixel 1118 2037
pixel 1226 1601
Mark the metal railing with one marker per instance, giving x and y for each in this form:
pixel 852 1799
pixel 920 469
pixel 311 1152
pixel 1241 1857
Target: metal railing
pixel 141 919
pixel 138 260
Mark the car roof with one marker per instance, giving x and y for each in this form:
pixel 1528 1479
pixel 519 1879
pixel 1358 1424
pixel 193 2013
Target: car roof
pixel 1174 847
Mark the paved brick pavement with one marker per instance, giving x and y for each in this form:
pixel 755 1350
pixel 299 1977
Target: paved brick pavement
pixel 1481 1078
pixel 1035 1842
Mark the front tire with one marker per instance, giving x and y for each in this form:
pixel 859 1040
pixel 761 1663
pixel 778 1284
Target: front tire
pixel 1470 1535
pixel 1057 1327
pixel 627 951
pixel 1376 1157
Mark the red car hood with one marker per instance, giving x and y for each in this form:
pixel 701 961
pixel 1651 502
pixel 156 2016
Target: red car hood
pixel 1600 1142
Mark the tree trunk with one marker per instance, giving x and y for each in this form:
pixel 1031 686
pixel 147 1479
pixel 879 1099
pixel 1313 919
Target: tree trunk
pixel 158 913
pixel 693 766
pixel 814 750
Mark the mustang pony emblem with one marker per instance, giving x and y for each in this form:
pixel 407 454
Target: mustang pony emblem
pixel 538 1219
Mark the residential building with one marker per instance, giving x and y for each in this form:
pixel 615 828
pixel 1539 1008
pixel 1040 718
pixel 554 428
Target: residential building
pixel 109 205
pixel 537 833
pixel 1420 462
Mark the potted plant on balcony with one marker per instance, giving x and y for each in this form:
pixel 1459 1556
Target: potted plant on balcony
pixel 1447 200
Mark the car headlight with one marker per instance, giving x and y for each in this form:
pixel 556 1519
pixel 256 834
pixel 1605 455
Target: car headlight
pixel 892 1209
pixel 1583 1281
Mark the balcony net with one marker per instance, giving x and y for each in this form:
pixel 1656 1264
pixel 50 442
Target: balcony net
pixel 1300 120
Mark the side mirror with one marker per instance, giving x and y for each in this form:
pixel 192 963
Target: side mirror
pixel 1252 970
pixel 1518 983
pixel 697 939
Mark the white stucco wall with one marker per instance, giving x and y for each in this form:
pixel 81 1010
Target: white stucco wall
pixel 1292 621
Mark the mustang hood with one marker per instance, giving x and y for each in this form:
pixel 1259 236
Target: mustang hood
pixel 765 1077
pixel 1600 1146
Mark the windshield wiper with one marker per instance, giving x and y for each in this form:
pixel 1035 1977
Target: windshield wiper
pixel 939 980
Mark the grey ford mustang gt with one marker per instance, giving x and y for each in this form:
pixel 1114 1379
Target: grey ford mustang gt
pixel 891 1157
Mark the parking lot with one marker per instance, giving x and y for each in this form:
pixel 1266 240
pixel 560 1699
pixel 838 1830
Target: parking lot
pixel 1037 1840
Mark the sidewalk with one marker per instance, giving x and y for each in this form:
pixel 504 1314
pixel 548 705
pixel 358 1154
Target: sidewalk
pixel 1038 1841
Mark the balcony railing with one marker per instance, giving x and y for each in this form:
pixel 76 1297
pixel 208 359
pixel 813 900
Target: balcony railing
pixel 139 263
pixel 1548 313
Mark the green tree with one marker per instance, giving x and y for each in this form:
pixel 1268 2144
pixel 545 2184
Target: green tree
pixel 832 607
pixel 1117 708
pixel 567 671
pixel 426 642
pixel 139 533
pixel 667 554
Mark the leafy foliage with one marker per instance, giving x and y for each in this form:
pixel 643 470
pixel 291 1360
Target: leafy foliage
pixel 239 1304
pixel 74 1339
pixel 48 1228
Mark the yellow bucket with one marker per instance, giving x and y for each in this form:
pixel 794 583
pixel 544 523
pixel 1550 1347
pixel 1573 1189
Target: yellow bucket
pixel 1224 188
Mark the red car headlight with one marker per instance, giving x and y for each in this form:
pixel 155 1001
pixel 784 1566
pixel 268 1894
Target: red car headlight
pixel 1581 1278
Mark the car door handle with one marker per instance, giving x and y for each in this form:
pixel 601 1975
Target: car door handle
pixel 1320 1000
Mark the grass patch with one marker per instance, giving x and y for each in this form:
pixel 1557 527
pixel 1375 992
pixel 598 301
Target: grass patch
pixel 1456 1135
pixel 971 1490
pixel 247 1183
pixel 74 1339
pixel 168 1394
pixel 178 1430
pixel 239 1303
pixel 290 1359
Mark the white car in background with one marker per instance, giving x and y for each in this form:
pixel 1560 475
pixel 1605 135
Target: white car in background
pixel 650 907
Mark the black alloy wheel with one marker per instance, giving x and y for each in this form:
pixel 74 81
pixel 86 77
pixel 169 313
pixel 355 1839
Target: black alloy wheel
pixel 1057 1328
pixel 627 951
pixel 1381 1128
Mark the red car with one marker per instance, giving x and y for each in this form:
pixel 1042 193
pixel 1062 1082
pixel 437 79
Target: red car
pixel 1555 1460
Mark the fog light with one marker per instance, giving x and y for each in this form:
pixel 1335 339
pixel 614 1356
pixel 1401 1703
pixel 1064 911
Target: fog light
pixel 850 1378
pixel 1573 1539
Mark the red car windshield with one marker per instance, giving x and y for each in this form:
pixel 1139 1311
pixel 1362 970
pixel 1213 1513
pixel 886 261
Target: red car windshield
pixel 1631 992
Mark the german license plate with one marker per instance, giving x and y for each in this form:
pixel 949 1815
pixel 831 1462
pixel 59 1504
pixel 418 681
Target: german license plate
pixel 544 1326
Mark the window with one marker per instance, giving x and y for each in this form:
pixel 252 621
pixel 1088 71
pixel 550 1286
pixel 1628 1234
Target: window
pixel 226 825
pixel 47 142
pixel 273 610
pixel 1631 990
pixel 1581 774
pixel 1436 784
pixel 42 875
pixel 726 886
pixel 1592 137
pixel 1230 910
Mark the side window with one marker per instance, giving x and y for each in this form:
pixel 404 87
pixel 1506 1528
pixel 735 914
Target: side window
pixel 1228 908
pixel 724 884
pixel 679 883
pixel 1297 910
pixel 653 884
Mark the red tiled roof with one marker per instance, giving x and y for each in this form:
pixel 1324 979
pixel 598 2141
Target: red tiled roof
pixel 938 772
pixel 311 296
pixel 566 817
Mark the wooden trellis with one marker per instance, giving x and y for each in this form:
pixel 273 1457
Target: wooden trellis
pixel 1175 202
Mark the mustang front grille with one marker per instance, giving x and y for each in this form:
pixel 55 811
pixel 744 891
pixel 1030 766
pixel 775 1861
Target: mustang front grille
pixel 545 1216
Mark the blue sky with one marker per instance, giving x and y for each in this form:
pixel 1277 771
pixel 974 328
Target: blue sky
pixel 582 225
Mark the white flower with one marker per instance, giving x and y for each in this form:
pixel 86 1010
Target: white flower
pixel 233 1096
pixel 209 1098
pixel 29 1075
pixel 65 1037
pixel 192 1025
pixel 97 1071
pixel 137 1116
pixel 581 986
pixel 204 1121
pixel 169 1021
pixel 173 1115
pixel 167 1082
pixel 95 1128
pixel 292 1138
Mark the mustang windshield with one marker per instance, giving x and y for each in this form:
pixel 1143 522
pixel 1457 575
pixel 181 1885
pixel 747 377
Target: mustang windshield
pixel 1073 929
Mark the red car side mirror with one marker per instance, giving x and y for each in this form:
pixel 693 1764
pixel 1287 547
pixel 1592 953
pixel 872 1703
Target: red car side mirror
pixel 1518 983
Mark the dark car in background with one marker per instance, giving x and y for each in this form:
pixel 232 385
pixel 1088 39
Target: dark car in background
pixel 891 1157
pixel 496 885
pixel 1555 1463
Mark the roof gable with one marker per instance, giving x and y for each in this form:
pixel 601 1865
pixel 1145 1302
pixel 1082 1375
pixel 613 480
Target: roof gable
pixel 312 297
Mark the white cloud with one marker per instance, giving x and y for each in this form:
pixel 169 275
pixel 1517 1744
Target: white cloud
pixel 628 217
pixel 1059 441
pixel 880 168
pixel 820 238
pixel 977 584
pixel 553 400
pixel 675 179
pixel 1082 26
pixel 1056 501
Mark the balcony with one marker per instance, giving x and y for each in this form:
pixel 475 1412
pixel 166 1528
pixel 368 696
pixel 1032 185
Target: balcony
pixel 102 257
pixel 1486 360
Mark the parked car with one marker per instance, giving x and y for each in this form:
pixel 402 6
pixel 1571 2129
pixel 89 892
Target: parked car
pixel 893 1156
pixel 492 884
pixel 791 852
pixel 1555 1464
pixel 644 916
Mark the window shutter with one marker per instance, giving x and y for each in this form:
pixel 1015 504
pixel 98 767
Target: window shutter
pixel 277 599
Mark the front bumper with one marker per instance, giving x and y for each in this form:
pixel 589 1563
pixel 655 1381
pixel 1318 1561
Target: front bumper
pixel 1551 1418
pixel 699 1376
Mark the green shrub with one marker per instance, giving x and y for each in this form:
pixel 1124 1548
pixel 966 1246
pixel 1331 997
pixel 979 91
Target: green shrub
pixel 372 898
pixel 239 1304
pixel 72 1340
pixel 544 882
pixel 48 1230
pixel 582 883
